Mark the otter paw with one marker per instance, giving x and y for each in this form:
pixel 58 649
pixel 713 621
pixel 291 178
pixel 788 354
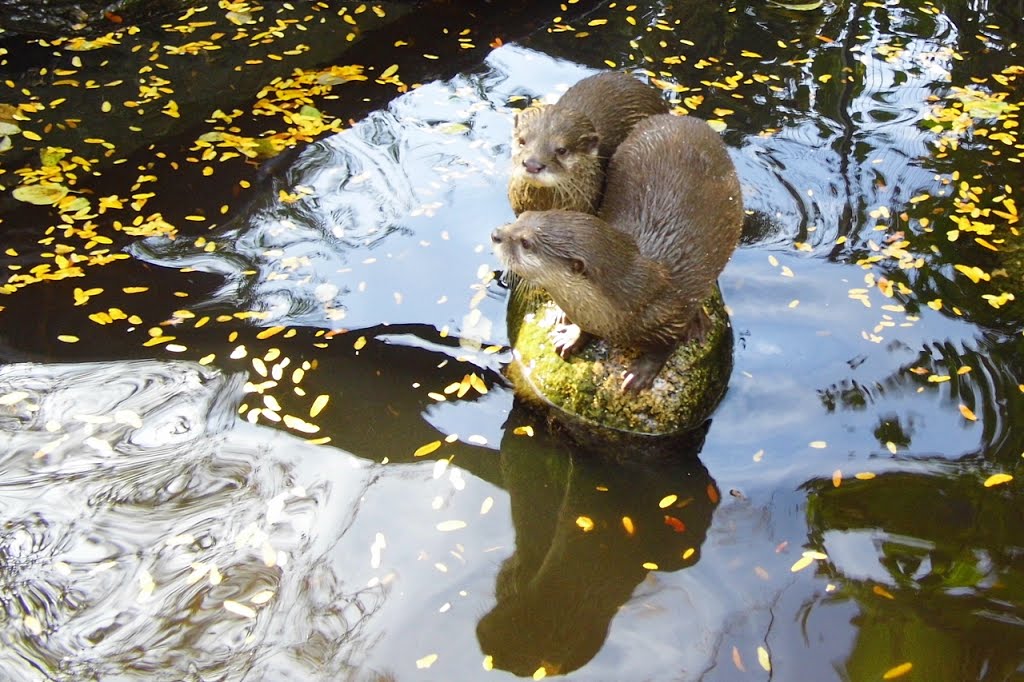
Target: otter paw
pixel 568 339
pixel 642 373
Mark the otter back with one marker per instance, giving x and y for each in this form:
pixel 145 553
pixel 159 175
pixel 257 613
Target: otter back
pixel 673 188
pixel 614 102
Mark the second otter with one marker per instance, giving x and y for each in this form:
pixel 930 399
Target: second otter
pixel 636 275
pixel 559 152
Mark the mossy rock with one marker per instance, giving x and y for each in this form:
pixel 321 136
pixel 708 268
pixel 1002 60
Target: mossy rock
pixel 584 395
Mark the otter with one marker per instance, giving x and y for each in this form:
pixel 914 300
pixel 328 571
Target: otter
pixel 636 273
pixel 559 152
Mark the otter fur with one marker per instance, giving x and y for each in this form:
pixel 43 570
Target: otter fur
pixel 560 152
pixel 636 274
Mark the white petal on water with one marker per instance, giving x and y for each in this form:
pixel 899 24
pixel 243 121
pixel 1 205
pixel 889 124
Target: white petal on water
pixel 239 609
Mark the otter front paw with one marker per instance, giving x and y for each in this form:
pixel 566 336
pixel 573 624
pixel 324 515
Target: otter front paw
pixel 568 339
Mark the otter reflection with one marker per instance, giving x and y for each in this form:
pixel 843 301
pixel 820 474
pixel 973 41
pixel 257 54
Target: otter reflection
pixel 588 531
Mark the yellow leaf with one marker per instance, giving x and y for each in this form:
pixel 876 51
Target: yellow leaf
pixel 762 658
pixel 966 412
pixel 996 479
pixel 898 671
pixel 427 449
pixel 627 523
pixel 270 331
pixel 801 563
pixel 818 444
pixel 43 194
pixel 668 501
pixel 318 405
pixel 585 523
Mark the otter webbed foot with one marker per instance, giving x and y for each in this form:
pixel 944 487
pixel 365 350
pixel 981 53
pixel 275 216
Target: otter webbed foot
pixel 645 369
pixel 568 338
pixel 699 326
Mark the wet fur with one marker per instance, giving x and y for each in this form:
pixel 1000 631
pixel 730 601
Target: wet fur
pixel 589 122
pixel 637 273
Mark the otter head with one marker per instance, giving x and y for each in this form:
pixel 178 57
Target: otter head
pixel 539 247
pixel 576 257
pixel 552 143
pixel 555 160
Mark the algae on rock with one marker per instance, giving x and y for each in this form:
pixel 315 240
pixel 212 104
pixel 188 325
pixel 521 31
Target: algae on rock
pixel 584 393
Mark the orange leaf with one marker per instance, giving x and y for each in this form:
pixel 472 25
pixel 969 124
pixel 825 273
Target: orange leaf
pixel 675 524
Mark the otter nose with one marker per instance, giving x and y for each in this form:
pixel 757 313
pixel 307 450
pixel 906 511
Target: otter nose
pixel 496 236
pixel 533 166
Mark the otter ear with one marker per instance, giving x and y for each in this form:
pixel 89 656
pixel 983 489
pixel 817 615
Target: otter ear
pixel 588 143
pixel 577 266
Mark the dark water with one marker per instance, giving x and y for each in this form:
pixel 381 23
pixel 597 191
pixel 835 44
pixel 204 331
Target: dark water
pixel 183 510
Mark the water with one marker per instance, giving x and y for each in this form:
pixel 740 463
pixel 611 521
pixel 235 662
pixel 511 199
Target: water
pixel 190 509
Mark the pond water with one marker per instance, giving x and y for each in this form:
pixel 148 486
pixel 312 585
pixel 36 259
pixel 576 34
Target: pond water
pixel 191 508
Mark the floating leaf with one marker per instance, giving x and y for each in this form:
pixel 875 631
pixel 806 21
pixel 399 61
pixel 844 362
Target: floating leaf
pixel 43 194
pixel 737 660
pixel 12 398
pixel 668 501
pixel 585 522
pixel 967 413
pixel 798 7
pixel 997 479
pixel 675 524
pixel 318 405
pixel 897 671
pixel 427 449
pixel 239 609
pixel 762 658
pixel 448 526
pixel 882 592
pixel 426 661
pixel 801 564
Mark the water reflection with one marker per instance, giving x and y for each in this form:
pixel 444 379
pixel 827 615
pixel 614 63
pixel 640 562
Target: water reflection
pixel 588 532
pixel 911 575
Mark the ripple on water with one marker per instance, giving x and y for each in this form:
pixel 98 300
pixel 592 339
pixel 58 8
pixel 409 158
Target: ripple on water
pixel 145 526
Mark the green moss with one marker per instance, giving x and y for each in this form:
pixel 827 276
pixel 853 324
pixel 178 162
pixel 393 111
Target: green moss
pixel 584 393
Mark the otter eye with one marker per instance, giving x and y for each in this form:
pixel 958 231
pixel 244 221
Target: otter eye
pixel 526 243
pixel 561 151
pixel 521 141
pixel 577 266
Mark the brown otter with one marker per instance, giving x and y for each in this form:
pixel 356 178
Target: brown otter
pixel 636 274
pixel 559 152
